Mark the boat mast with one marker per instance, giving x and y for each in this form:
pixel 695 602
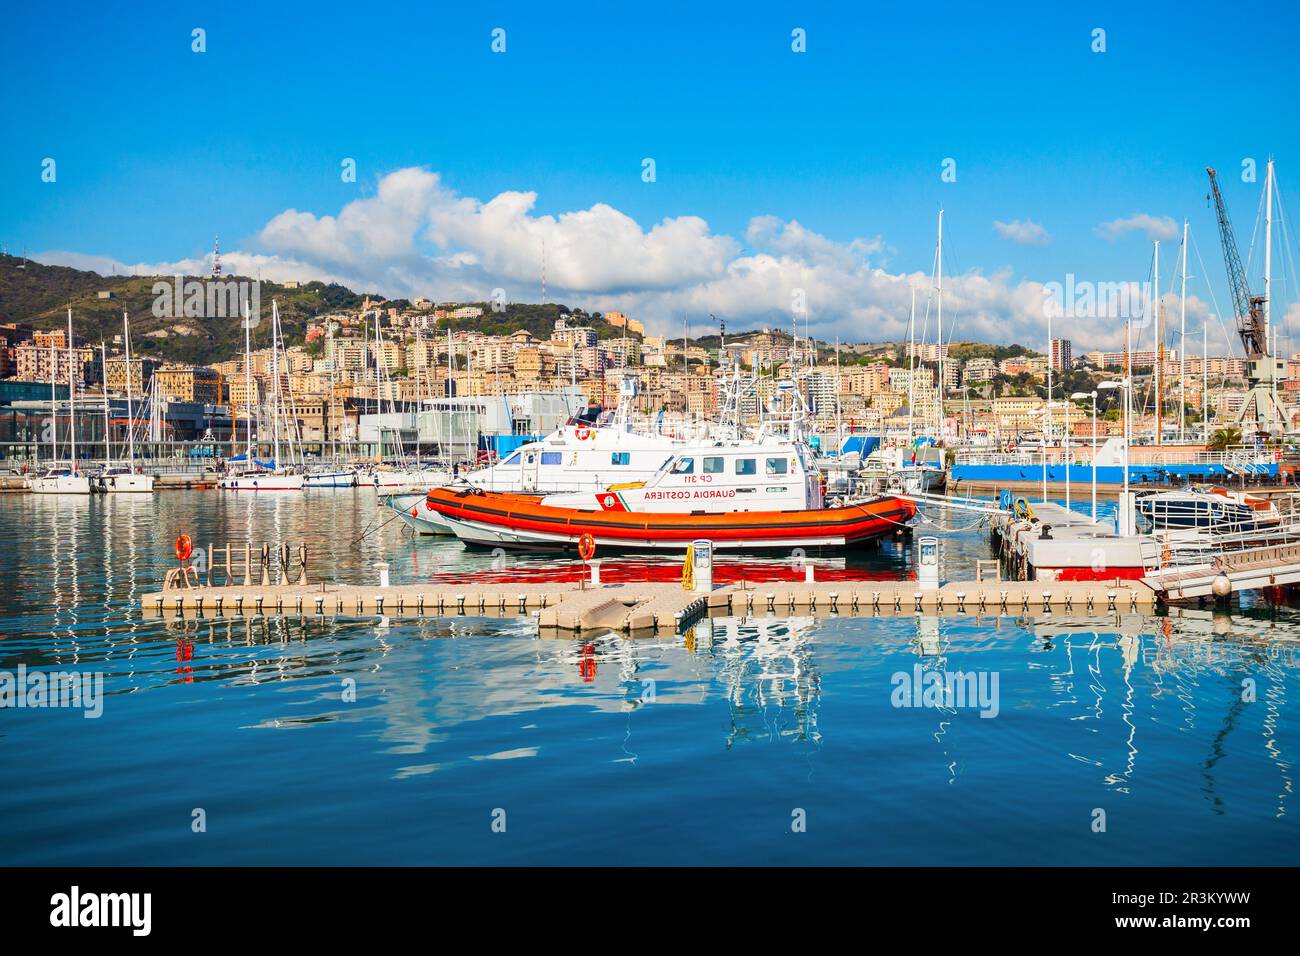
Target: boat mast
pixel 1160 345
pixel 939 331
pixel 1182 345
pixel 1268 252
pixel 130 417
pixel 1205 382
pixel 1268 277
pixel 54 408
pixel 103 365
pixel 911 367
pixel 248 379
pixel 275 376
pixel 334 442
pixel 72 398
pixel 418 352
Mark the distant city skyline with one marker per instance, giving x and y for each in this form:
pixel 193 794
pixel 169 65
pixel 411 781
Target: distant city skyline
pixel 667 163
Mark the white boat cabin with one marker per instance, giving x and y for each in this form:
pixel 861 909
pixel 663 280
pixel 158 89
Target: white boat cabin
pixel 577 457
pixel 713 479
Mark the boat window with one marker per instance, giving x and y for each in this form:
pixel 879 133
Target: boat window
pixel 746 466
pixel 552 457
pixel 712 466
pixel 512 460
pixel 620 458
pixel 684 466
pixel 776 466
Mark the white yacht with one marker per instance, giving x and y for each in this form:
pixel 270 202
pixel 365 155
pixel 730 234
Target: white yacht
pixel 125 478
pixel 59 480
pixel 247 473
pixel 119 479
pixel 326 477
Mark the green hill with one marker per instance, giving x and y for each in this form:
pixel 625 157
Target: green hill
pixel 39 295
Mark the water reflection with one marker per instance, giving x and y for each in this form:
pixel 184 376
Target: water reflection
pixel 1187 709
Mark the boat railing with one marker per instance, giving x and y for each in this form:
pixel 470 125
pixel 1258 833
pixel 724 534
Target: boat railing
pixel 1236 461
pixel 1209 548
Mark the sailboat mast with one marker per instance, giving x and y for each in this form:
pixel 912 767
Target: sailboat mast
pixel 54 408
pixel 1205 382
pixel 72 398
pixel 1160 348
pixel 103 366
pixel 419 351
pixel 334 442
pixel 275 376
pixel 1268 253
pixel 1182 344
pixel 248 379
pixel 939 333
pixel 130 416
pixel 911 367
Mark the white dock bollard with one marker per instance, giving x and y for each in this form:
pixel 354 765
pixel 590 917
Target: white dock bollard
pixel 702 559
pixel 383 573
pixel 594 564
pixel 808 576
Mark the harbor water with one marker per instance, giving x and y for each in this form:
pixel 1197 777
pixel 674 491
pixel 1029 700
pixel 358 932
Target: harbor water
pixel 1158 740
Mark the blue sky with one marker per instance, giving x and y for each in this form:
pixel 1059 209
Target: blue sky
pixel 159 148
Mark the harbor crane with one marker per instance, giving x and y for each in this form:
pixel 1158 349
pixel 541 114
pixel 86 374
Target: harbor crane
pixel 1263 370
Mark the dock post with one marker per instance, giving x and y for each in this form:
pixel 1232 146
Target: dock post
pixel 248 565
pixel 266 564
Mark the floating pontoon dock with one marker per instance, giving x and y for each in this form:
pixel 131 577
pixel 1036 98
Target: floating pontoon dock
pixel 651 607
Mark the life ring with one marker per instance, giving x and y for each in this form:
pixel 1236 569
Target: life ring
pixel 184 548
pixel 586 547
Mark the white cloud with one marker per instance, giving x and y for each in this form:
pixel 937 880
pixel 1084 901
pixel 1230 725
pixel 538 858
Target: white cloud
pixel 1026 233
pixel 416 236
pixel 1155 227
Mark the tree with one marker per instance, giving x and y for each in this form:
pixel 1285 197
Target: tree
pixel 1223 437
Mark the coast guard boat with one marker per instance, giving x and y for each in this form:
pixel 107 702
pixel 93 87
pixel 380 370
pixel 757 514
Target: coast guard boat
pixel 745 496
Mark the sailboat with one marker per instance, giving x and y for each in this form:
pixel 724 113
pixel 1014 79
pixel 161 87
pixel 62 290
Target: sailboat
pixel 57 479
pixel 402 478
pixel 249 474
pixel 123 478
pixel 331 475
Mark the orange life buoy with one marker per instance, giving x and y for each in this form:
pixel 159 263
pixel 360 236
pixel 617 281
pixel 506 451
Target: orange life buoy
pixel 184 548
pixel 415 511
pixel 586 547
